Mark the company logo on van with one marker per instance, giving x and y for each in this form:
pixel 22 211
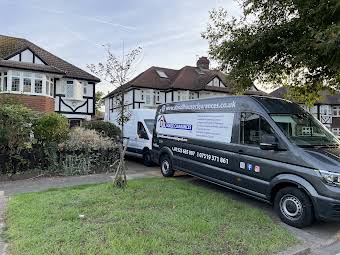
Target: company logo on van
pixel 164 124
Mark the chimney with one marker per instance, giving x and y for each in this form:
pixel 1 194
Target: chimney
pixel 203 63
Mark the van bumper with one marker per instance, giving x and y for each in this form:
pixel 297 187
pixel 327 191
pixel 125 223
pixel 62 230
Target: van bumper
pixel 327 209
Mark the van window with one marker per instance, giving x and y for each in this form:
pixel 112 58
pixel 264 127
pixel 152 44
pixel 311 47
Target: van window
pixel 252 127
pixel 150 123
pixel 304 130
pixel 141 132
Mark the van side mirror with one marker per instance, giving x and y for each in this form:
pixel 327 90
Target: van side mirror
pixel 269 142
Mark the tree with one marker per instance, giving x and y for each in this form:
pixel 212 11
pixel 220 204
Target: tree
pixel 99 102
pixel 289 42
pixel 117 71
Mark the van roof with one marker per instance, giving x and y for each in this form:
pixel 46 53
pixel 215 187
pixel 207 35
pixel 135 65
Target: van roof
pixel 277 105
pixel 234 103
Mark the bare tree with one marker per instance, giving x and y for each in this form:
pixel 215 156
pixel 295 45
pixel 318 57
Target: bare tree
pixel 117 71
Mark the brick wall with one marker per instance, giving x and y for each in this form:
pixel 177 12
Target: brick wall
pixel 36 103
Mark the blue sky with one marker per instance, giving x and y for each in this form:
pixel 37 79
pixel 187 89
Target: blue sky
pixel 75 30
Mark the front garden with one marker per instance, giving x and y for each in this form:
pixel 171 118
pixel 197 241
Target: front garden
pixel 34 144
pixel 150 216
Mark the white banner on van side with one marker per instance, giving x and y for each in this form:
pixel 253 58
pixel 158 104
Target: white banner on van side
pixel 205 126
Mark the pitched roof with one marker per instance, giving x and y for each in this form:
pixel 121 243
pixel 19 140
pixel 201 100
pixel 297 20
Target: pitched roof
pixel 10 46
pixel 326 96
pixel 186 78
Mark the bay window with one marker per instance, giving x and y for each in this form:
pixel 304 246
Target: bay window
pixel 14 81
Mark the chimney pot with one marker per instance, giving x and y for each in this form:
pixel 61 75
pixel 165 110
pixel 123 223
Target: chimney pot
pixel 203 63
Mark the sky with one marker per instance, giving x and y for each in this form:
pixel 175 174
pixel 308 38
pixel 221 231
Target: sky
pixel 169 32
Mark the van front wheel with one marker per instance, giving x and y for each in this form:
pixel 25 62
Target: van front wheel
pixel 294 207
pixel 166 166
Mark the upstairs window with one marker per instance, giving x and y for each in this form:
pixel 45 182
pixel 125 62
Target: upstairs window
pixel 69 89
pixel 74 89
pixel 27 56
pixel 336 111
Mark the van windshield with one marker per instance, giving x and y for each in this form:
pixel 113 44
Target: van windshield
pixel 150 124
pixel 305 131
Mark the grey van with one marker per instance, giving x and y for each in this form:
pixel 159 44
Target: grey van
pixel 268 148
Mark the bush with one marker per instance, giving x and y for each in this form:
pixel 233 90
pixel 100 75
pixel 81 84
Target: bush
pixel 103 127
pixel 86 151
pixel 81 139
pixel 51 128
pixel 15 135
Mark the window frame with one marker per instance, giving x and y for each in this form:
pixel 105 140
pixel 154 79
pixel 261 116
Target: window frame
pixel 238 140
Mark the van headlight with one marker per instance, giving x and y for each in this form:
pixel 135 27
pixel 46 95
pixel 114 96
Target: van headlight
pixel 330 177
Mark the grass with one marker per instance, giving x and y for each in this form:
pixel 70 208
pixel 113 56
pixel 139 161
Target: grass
pixel 151 216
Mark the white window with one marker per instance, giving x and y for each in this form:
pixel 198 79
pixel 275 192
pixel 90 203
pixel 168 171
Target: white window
pixel 27 85
pixel 15 83
pixel 147 99
pixel 27 56
pixel 51 89
pixel 38 86
pixel 74 89
pixel 5 87
pixel 69 89
pixel 336 111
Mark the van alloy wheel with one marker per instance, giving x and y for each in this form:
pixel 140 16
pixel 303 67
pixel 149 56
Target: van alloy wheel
pixel 291 207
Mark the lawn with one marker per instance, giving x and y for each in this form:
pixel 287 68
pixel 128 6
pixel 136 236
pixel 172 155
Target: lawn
pixel 151 216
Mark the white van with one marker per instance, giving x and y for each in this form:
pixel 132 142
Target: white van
pixel 138 131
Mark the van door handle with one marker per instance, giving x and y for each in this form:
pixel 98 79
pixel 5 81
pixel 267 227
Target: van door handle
pixel 240 151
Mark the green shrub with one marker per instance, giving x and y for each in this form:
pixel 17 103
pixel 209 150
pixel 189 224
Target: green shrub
pixel 15 135
pixel 51 128
pixel 104 128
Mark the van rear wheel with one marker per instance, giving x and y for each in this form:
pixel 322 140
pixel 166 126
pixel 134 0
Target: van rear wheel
pixel 166 166
pixel 147 160
pixel 294 207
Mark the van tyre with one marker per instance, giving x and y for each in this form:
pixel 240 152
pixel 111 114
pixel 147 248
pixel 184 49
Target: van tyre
pixel 294 207
pixel 166 166
pixel 147 160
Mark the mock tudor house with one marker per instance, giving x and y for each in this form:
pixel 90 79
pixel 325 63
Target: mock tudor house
pixel 327 110
pixel 45 82
pixel 158 85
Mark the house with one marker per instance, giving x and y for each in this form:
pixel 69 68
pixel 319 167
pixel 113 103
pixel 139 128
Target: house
pixel 158 85
pixel 45 82
pixel 327 110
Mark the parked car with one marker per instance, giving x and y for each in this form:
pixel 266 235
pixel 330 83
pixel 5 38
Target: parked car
pixel 268 148
pixel 138 133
